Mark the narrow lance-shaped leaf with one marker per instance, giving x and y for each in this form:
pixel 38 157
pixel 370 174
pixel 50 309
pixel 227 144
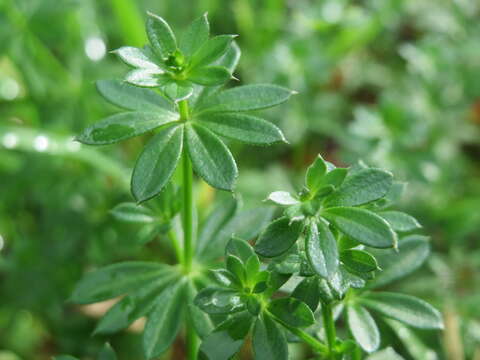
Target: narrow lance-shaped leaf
pixel 136 57
pixel 362 225
pixel 315 173
pixel 404 308
pixel 146 78
pixel 210 157
pixel 282 198
pixel 195 36
pixel 160 35
pixel 400 221
pixel 278 237
pixel 107 353
pixel 210 75
pixel 164 321
pixel 211 50
pixel 246 98
pixel 157 163
pixel 269 341
pixel 124 126
pixel 131 212
pixel 321 248
pixel 358 261
pixel 245 128
pixel 363 328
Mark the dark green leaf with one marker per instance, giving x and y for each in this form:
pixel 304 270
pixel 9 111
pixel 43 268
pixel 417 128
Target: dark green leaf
pixel 246 98
pixel 240 248
pixel 117 279
pixel 360 188
pixel 164 321
pixel 278 237
pixel 160 36
pixel 362 225
pixel 269 341
pixel 363 328
pixel 308 291
pixel 131 212
pixel 227 338
pixel 315 172
pixel 235 266
pixel 132 97
pixel 225 278
pixel 157 162
pixel 358 261
pixel 412 252
pixel 210 75
pixel 201 321
pixel 252 266
pixel 321 249
pixel 125 125
pixel 195 35
pixel 246 128
pixel 211 159
pixel 400 221
pixel 292 311
pixel 107 353
pixel 218 301
pixel 212 50
pixel 404 308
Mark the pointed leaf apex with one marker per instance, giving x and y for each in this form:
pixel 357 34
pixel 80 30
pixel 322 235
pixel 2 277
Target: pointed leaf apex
pixel 294 92
pixel 234 78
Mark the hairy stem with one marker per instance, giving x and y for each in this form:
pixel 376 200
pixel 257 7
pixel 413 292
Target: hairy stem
pixel 329 325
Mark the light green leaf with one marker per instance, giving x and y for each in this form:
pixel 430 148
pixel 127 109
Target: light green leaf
pixel 246 128
pixel 358 261
pixel 214 300
pixel 210 75
pixel 176 91
pixel 212 50
pixel 282 198
pixel 132 97
pixel 335 177
pixel 107 353
pixel 246 98
pixel 239 248
pixel 321 249
pixel 400 221
pixel 146 78
pixel 404 308
pixel 363 186
pixel 164 321
pixel 362 225
pixel 210 157
pixel 131 212
pixel 160 36
pixel 315 172
pixel 269 341
pixel 278 237
pixel 195 35
pixel 156 163
pixel 124 126
pixel 227 338
pixel 412 252
pixel 117 279
pixel 137 58
pixel 292 311
pixel 363 328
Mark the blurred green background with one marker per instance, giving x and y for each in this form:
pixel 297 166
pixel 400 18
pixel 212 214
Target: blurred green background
pixel 393 82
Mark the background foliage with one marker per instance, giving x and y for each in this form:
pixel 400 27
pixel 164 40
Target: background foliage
pixel 394 83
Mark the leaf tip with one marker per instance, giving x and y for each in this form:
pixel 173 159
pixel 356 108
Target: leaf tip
pixel 294 92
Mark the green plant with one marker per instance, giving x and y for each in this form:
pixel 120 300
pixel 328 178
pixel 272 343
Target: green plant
pixel 341 214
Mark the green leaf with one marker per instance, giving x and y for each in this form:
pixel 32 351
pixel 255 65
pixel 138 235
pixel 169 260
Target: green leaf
pixel 164 321
pixel 282 198
pixel 117 279
pixel 133 306
pixel 195 35
pixel 321 249
pixel 201 321
pixel 400 221
pixel 156 163
pixel 212 50
pixel 386 354
pixel 278 237
pixel 210 75
pixel 315 172
pixel 131 212
pixel 235 266
pixel 308 291
pixel 412 252
pixel 246 128
pixel 292 311
pixel 211 159
pixel 362 225
pixel 252 266
pixel 269 341
pixel 146 78
pixel 225 278
pixel 246 98
pixel 176 91
pixel 358 261
pixel 404 308
pixel 239 248
pixel 411 341
pixel 335 177
pixel 125 125
pixel 107 353
pixel 131 97
pixel 363 186
pixel 227 338
pixel 363 328
pixel 137 58
pixel 160 36
pixel 214 300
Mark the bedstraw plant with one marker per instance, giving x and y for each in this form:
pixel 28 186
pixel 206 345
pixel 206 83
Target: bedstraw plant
pixel 336 241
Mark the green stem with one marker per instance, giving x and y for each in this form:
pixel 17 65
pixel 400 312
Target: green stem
pixel 305 337
pixel 176 245
pixel 188 241
pixel 329 325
